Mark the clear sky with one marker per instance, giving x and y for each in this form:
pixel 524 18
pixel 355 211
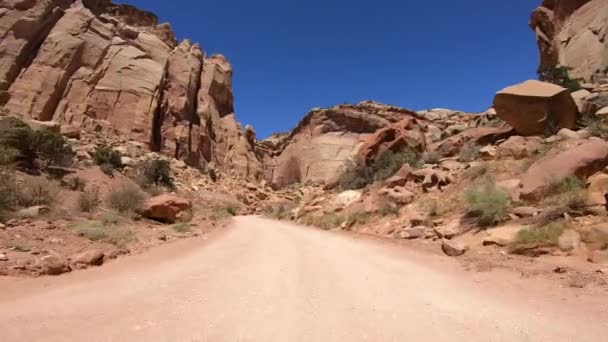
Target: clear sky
pixel 293 55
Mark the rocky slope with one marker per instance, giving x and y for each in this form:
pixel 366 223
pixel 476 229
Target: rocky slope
pixel 100 66
pixel 573 33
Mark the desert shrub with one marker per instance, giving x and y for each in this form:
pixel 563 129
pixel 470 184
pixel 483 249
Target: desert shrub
pixel 327 222
pixel 600 101
pixel 487 203
pixel 120 237
pixel 431 157
pixel 110 218
pixel 127 199
pixel 356 218
pixel 569 192
pixel 281 212
pixel 88 200
pixel 388 164
pixel 468 153
pixel 75 183
pixel 8 198
pixel 596 126
pixel 476 172
pixel 30 148
pixel 355 176
pixel 155 172
pixel 108 169
pixel 568 184
pixel 36 191
pixel 358 175
pixel 92 230
pixel 8 155
pixel 181 227
pixel 231 210
pixel 108 158
pixel 534 237
pixel 558 75
pixel 53 149
pixel 388 208
pixel 99 231
pixel 155 190
pixel 433 208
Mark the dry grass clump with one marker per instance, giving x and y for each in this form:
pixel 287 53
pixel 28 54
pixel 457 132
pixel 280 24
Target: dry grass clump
pixel 487 203
pixel 127 199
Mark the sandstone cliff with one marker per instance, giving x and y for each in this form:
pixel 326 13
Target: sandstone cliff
pixel 95 65
pixel 323 142
pixel 573 33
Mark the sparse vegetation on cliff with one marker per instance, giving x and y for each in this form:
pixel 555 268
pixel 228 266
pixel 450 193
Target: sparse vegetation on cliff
pixel 558 75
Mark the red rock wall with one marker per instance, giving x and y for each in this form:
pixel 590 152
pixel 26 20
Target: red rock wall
pixel 92 64
pixel 572 33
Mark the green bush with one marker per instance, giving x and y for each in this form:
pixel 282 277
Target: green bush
pixel 53 149
pixel 156 172
pixel 8 155
pixel 468 153
pixel 558 75
pixel 127 199
pixel 387 165
pixel 487 203
pixel 108 159
pixel 231 210
pixel 28 147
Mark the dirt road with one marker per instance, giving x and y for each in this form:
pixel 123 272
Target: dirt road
pixel 269 281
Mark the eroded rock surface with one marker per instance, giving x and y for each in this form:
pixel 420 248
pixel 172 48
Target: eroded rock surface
pixel 572 33
pixel 101 66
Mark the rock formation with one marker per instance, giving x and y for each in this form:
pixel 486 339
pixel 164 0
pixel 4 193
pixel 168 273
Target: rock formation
pixel 535 107
pixel 324 141
pixel 572 33
pixel 96 65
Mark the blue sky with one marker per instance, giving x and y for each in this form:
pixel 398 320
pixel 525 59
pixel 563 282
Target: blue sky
pixel 292 55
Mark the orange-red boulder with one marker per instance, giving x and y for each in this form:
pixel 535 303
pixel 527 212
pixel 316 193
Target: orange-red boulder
pixel 166 207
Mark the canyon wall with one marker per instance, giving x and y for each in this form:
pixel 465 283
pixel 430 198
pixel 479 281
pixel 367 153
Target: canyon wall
pixel 573 33
pixel 95 65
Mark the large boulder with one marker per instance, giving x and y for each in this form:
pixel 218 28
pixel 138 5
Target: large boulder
pixel 518 147
pixel 502 236
pixel 535 107
pixel 572 33
pixel 53 265
pixel 582 160
pixel 92 257
pixel 166 207
pixel 405 134
pixel 454 248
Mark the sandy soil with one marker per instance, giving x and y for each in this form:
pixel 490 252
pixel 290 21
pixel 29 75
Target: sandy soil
pixel 262 280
